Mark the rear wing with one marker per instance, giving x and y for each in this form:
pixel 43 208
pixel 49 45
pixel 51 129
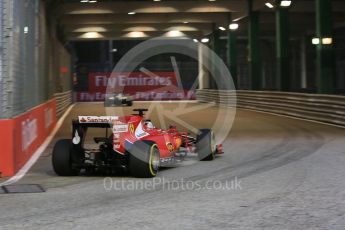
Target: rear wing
pixel 76 123
pixel 80 126
pixel 95 121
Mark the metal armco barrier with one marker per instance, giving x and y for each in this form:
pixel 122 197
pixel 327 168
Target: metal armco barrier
pixel 63 100
pixel 323 108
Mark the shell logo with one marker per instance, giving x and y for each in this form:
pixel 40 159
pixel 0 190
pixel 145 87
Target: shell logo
pixel 170 147
pixel 131 128
pixel 178 142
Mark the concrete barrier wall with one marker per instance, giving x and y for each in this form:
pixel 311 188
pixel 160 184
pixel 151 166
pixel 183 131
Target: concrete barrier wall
pixel 323 108
pixel 31 70
pixel 22 135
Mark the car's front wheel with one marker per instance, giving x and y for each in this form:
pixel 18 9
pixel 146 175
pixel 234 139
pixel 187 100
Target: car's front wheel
pixel 144 159
pixel 205 145
pixel 129 103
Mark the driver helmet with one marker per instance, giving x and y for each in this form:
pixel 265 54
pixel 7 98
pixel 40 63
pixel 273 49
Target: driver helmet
pixel 149 124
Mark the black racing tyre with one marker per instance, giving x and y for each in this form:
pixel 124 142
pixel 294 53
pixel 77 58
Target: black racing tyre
pixel 129 103
pixel 205 145
pixel 144 159
pixel 62 158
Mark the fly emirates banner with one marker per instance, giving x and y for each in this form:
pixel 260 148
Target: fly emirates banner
pixel 142 87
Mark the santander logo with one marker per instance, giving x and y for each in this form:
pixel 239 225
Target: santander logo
pixel 48 117
pixel 29 133
pixel 97 119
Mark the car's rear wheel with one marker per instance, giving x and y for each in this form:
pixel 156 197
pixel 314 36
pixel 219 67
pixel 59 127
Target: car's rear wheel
pixel 62 159
pixel 205 145
pixel 129 103
pixel 144 159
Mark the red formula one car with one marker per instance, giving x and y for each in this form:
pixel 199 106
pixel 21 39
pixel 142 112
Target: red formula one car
pixel 134 145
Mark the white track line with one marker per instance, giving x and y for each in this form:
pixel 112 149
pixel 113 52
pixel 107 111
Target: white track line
pixel 19 175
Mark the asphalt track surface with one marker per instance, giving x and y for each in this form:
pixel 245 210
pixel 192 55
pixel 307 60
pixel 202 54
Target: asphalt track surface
pixel 276 173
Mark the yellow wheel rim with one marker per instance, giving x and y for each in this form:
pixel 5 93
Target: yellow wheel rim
pixel 151 160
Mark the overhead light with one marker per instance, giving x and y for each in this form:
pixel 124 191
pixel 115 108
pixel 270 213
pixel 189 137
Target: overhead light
pixel 327 41
pixel 84 1
pixel 269 5
pixel 195 40
pixel 140 28
pixel 233 26
pixel 205 40
pixel 156 0
pixel 90 28
pixel 211 0
pixel 221 28
pixel 131 13
pixel 185 22
pixel 92 35
pixel 174 33
pixel 92 1
pixel 114 50
pixel 285 3
pixel 315 41
pixel 136 34
pixel 26 29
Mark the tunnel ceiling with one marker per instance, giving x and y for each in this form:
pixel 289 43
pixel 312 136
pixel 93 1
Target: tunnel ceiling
pixel 108 19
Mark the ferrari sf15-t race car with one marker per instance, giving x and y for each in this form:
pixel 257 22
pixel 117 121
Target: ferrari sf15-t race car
pixel 134 145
